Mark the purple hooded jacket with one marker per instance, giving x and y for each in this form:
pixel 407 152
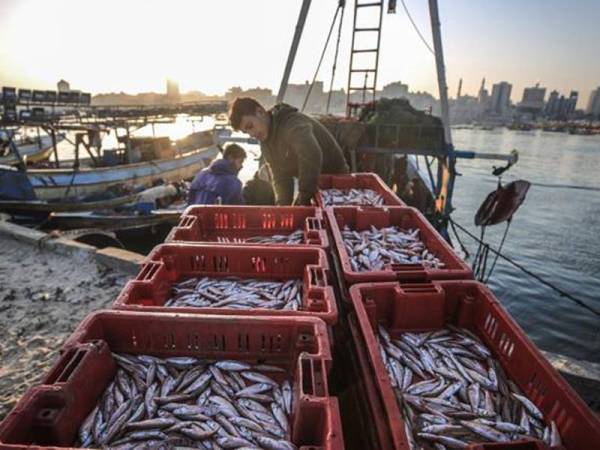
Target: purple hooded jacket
pixel 218 180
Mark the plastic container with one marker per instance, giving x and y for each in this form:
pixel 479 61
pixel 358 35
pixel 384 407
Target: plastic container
pixel 359 218
pixel 365 180
pixel 471 305
pixel 170 263
pixel 211 223
pixel 50 414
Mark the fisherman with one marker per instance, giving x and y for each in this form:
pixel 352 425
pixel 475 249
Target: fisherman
pixel 292 144
pixel 219 184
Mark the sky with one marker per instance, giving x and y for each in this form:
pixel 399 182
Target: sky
pixel 211 45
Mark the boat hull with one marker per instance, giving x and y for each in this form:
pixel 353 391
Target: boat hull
pixel 33 153
pixel 53 184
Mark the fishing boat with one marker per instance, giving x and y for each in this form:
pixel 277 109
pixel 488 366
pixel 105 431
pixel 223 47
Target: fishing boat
pixel 45 207
pixel 32 150
pixel 52 184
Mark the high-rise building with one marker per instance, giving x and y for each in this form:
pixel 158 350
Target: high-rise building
pixel 553 104
pixel 572 102
pixel 172 90
pixel 500 98
pixel 533 99
pixel 593 106
pixel 483 97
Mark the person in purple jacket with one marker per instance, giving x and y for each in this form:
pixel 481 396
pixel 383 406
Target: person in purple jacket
pixel 219 184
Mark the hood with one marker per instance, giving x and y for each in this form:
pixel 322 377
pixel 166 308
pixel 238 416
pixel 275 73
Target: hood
pixel 279 114
pixel 223 167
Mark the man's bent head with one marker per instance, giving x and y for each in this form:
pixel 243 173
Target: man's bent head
pixel 249 116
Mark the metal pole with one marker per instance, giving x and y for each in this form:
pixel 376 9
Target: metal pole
pixel 446 172
pixel 293 49
pixel 441 70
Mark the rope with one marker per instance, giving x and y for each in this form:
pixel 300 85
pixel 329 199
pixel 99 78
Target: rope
pixel 320 59
pixel 417 29
pixel 337 49
pixel 508 222
pixel 528 272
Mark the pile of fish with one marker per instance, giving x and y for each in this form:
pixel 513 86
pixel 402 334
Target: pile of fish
pixel 297 237
pixel 353 197
pixel 373 248
pixel 187 402
pixel 238 293
pixel 452 392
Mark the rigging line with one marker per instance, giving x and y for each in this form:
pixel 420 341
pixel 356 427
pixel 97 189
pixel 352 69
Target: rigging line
pixel 417 29
pixel 528 272
pixel 320 59
pixel 508 222
pixel 337 49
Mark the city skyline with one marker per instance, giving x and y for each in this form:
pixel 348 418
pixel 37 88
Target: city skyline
pixel 503 41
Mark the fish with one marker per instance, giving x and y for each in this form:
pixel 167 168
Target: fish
pixel 452 391
pixel 355 197
pixel 295 237
pixel 237 293
pixel 385 246
pixel 216 404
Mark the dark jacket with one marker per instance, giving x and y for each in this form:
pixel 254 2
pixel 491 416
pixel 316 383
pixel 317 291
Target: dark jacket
pixel 299 146
pixel 218 180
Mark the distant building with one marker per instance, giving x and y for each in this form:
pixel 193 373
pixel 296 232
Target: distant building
pixel 593 106
pixel 483 97
pixel 572 102
pixel 396 89
pixel 172 90
pixel 553 104
pixel 63 86
pixel 533 99
pixel 500 101
pixel 295 95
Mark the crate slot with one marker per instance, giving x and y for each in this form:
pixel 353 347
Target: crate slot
pixel 148 271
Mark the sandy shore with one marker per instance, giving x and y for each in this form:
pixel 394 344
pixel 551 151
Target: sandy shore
pixel 43 297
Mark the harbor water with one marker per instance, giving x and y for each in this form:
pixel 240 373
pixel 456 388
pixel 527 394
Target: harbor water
pixel 553 234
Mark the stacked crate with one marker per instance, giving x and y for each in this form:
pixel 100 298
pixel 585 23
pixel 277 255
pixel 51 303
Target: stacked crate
pixel 328 343
pixel 419 298
pixel 221 243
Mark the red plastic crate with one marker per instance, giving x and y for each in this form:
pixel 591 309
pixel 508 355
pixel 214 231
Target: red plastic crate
pixel 359 218
pixel 50 414
pixel 209 223
pixel 171 263
pixel 367 180
pixel 469 304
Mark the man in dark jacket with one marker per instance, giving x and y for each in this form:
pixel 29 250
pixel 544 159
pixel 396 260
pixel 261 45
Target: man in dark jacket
pixel 219 184
pixel 293 145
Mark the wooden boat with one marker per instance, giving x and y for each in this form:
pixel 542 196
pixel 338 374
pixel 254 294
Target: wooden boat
pixel 111 221
pixel 51 184
pixel 40 207
pixel 32 152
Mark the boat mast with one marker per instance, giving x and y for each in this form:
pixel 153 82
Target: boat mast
pixel 443 201
pixel 293 49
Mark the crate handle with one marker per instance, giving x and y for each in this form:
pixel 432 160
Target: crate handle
pixel 313 382
pixel 317 277
pixel 67 366
pixel 402 270
pixel 419 288
pixel 187 222
pixel 314 224
pixel 149 271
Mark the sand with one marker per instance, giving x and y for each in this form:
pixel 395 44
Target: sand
pixel 43 297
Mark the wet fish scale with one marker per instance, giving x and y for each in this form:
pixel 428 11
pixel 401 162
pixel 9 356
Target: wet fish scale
pixel 358 197
pixel 459 394
pixel 238 293
pixel 193 413
pixel 390 245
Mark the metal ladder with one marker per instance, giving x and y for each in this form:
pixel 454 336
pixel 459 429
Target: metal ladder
pixel 369 84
